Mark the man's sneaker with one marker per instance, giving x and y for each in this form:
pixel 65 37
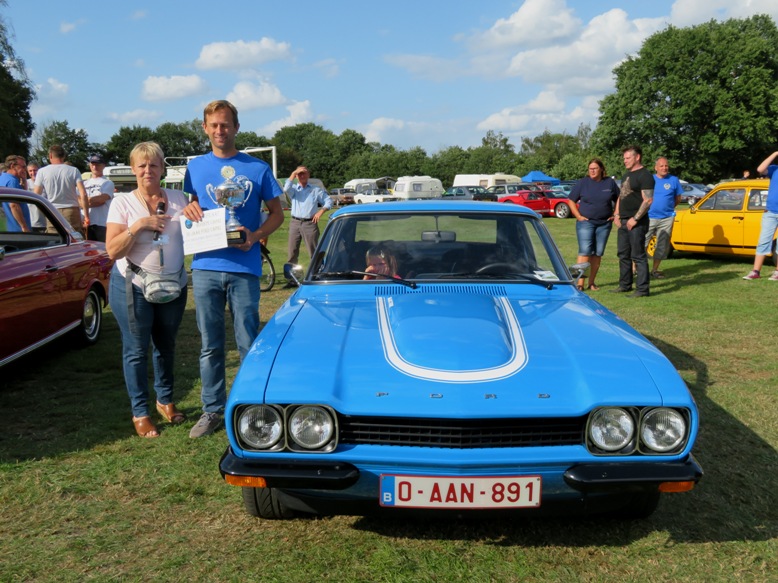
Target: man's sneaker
pixel 754 274
pixel 657 275
pixel 774 276
pixel 207 424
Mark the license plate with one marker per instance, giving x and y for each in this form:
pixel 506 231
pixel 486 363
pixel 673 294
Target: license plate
pixel 399 491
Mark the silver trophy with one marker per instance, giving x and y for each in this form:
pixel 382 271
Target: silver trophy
pixel 232 194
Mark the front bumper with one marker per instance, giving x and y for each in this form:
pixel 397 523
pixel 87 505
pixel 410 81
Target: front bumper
pixel 322 474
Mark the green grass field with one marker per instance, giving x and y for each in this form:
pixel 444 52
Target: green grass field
pixel 83 498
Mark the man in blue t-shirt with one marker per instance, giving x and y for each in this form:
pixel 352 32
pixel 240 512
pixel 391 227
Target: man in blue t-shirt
pixel 17 216
pixel 229 275
pixel 661 214
pixel 769 220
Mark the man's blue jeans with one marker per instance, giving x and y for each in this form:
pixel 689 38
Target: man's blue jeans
pixel 156 324
pixel 213 291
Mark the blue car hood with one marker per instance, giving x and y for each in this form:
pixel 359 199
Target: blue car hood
pixel 457 351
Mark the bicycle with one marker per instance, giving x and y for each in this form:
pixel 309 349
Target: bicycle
pixel 268 279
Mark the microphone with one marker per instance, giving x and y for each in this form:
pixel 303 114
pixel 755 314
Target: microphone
pixel 160 211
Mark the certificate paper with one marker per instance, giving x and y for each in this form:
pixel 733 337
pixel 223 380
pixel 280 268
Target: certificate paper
pixel 208 234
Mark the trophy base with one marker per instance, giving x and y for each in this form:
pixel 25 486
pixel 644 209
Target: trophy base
pixel 236 237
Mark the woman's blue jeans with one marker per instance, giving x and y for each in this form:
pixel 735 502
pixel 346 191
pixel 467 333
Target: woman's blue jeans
pixel 155 324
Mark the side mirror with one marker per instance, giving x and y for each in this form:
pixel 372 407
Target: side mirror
pixel 579 269
pixel 293 272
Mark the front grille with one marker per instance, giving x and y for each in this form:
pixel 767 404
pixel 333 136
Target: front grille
pixel 461 433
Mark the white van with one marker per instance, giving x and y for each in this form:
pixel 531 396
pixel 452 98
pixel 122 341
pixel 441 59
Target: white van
pixel 122 177
pixel 485 180
pixel 417 187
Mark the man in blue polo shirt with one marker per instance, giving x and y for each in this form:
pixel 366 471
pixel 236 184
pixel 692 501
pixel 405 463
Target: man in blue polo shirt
pixel 228 276
pixel 667 195
pixel 769 219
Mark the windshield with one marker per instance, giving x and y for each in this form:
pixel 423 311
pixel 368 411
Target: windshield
pixel 437 245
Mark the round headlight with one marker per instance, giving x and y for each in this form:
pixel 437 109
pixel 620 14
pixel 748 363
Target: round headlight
pixel 260 426
pixel 611 428
pixel 663 430
pixel 311 427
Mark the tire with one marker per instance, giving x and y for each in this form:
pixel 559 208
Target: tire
pixel 265 503
pixel 91 319
pixel 562 210
pixel 268 278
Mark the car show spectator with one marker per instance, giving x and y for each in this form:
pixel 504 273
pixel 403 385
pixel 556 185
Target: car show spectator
pixel 136 234
pixel 17 216
pixel 61 183
pixel 631 220
pixel 595 197
pixel 37 218
pixel 228 276
pixel 306 200
pixel 100 192
pixel 661 214
pixel 769 219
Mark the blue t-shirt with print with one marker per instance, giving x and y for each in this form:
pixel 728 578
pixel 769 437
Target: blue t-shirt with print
pixel 665 191
pixel 203 175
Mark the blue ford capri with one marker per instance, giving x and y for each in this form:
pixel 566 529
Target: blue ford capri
pixel 437 357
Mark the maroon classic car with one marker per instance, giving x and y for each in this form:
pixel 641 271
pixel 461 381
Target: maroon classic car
pixel 50 283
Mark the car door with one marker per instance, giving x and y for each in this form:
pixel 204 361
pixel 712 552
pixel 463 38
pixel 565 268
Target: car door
pixel 717 224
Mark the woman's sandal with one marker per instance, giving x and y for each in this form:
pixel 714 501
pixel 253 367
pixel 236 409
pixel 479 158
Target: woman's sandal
pixel 581 282
pixel 144 427
pixel 170 413
pixel 594 287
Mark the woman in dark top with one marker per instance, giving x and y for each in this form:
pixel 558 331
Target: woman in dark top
pixel 595 196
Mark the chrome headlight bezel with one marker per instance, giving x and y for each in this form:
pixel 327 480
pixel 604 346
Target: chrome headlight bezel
pixel 252 421
pixel 324 422
pixel 612 431
pixel 672 427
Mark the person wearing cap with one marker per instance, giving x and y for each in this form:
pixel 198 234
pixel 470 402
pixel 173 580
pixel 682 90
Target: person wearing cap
pixel 100 192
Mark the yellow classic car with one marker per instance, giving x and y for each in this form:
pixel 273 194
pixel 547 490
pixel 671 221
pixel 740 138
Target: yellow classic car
pixel 725 222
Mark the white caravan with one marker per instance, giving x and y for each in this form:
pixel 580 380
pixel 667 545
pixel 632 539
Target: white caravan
pixel 417 187
pixel 485 180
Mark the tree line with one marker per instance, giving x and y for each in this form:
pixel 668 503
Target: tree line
pixel 705 97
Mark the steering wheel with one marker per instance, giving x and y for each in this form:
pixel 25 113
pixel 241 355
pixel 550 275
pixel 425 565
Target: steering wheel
pixel 495 266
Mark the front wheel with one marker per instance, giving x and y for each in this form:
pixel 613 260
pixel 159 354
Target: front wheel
pixel 265 503
pixel 651 248
pixel 562 211
pixel 268 278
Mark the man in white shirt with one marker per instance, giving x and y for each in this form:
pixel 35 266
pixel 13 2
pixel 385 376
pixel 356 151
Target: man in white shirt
pixel 100 192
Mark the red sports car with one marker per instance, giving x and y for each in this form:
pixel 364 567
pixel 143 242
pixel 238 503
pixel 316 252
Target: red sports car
pixel 50 283
pixel 546 202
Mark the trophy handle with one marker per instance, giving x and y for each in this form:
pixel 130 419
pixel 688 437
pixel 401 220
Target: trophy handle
pixel 247 185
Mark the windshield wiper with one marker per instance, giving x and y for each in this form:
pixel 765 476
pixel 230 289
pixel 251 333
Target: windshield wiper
pixel 523 276
pixel 400 280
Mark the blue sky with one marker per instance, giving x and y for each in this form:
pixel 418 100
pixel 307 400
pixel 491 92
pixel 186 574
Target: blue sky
pixel 429 73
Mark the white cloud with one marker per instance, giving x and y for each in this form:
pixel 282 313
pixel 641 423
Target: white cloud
pixel 536 23
pixel 242 54
pixel 299 112
pixel 328 67
pixel 692 12
pixel 139 14
pixel 68 27
pixel 377 129
pixel 136 116
pixel 248 95
pixel 51 97
pixel 175 87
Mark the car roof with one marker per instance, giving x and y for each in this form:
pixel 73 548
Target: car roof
pixel 431 206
